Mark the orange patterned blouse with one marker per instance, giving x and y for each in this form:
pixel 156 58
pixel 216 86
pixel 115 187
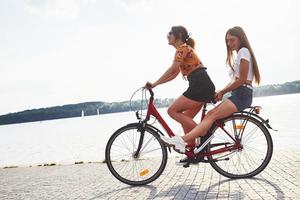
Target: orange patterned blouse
pixel 188 59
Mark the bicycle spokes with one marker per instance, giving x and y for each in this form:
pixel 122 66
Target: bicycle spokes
pixel 250 153
pixel 135 157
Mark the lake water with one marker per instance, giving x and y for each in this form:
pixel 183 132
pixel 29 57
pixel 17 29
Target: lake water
pixel 65 141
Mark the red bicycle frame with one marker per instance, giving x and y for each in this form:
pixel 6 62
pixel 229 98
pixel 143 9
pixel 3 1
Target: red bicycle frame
pixel 190 153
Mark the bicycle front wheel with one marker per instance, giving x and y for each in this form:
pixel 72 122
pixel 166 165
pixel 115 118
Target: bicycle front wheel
pixel 255 152
pixel 128 166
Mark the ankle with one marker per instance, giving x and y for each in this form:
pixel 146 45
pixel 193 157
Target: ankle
pixel 185 140
pixel 189 145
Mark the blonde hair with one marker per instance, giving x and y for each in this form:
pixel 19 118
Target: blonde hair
pixel 240 34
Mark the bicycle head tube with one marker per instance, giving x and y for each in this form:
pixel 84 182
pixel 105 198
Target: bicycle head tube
pixel 151 93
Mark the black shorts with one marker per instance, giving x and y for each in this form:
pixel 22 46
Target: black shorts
pixel 201 88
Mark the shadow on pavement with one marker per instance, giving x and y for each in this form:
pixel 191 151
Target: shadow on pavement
pixel 181 191
pixel 192 191
pixel 132 189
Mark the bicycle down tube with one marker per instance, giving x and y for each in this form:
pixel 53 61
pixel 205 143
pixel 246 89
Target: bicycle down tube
pixel 153 111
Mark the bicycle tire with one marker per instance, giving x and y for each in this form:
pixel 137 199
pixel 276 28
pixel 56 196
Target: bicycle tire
pixel 122 167
pixel 249 161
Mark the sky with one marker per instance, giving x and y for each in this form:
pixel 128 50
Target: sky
pixel 57 52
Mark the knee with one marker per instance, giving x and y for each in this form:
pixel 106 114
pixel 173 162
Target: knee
pixel 170 111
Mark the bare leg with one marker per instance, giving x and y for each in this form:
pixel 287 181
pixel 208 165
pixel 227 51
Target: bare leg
pixel 183 111
pixel 224 109
pixel 191 113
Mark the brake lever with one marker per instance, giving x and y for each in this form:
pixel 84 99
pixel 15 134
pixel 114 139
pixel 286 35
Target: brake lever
pixel 137 115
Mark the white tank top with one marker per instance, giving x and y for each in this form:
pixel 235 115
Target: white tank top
pixel 243 53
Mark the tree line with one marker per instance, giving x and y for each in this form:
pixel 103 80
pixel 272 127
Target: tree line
pixel 77 110
pixel 94 108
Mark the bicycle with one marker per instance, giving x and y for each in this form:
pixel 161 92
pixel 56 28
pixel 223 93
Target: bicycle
pixel 238 146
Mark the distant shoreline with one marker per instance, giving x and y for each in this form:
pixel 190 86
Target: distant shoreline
pixel 276 95
pixel 100 108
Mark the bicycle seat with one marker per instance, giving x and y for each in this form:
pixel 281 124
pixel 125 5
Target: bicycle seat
pixel 213 102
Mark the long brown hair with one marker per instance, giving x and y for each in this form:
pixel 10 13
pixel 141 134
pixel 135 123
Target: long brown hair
pixel 181 33
pixel 240 34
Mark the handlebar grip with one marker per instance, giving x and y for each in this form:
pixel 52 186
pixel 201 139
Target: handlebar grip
pixel 137 115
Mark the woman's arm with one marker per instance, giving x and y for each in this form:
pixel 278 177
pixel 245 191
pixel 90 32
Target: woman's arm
pixel 244 68
pixel 169 75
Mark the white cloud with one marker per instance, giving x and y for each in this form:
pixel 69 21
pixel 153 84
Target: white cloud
pixel 114 46
pixel 138 6
pixel 66 9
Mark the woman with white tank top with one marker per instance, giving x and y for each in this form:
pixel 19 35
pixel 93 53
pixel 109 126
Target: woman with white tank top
pixel 243 70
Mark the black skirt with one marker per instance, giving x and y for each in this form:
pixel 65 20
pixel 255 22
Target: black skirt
pixel 201 88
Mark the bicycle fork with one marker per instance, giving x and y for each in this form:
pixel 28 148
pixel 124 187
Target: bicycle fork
pixel 141 129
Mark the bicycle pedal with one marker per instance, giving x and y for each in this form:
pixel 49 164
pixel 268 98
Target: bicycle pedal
pixel 204 161
pixel 186 165
pixel 224 159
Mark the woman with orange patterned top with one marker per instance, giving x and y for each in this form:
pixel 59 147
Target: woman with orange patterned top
pixel 243 71
pixel 201 89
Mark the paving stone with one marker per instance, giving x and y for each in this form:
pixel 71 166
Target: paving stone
pixel 280 180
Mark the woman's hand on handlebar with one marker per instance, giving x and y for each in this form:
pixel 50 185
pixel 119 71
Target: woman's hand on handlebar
pixel 149 85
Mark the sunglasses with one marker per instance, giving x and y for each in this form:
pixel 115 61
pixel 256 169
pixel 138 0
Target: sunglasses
pixel 170 33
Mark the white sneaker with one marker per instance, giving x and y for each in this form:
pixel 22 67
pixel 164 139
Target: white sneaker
pixel 176 141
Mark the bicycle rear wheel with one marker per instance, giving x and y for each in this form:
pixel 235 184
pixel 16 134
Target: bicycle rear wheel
pixel 256 151
pixel 120 155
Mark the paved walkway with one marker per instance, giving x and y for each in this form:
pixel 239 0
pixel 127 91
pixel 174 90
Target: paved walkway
pixel 280 180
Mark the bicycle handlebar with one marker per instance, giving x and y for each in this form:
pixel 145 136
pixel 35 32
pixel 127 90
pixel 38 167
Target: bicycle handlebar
pixel 151 92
